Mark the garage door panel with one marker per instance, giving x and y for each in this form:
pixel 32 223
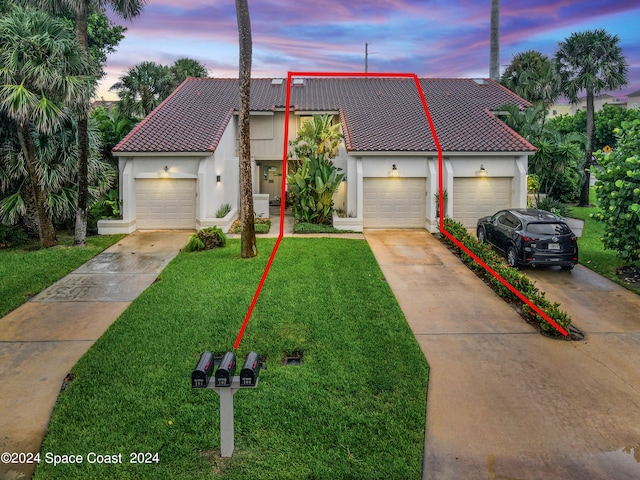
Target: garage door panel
pixel 478 197
pixel 394 202
pixel 165 203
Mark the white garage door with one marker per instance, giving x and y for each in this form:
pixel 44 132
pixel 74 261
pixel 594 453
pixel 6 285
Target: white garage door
pixel 478 197
pixel 394 202
pixel 166 204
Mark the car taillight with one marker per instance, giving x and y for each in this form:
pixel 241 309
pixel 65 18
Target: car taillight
pixel 528 239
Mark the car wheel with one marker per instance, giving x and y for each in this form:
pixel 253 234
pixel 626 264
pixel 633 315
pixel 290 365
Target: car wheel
pixel 512 257
pixel 481 235
pixel 567 267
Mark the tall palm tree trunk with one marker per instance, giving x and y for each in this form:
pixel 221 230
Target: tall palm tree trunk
pixel 46 231
pixel 588 154
pixel 248 247
pixel 494 53
pixel 83 136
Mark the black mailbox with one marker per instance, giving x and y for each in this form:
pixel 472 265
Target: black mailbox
pixel 250 369
pixel 226 370
pixel 202 373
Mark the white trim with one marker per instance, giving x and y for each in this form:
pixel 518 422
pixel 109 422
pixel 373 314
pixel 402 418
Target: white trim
pixel 162 154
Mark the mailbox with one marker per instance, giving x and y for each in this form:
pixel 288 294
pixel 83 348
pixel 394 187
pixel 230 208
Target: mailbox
pixel 226 370
pixel 250 369
pixel 202 373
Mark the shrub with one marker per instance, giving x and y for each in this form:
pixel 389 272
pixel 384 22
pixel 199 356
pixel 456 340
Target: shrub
pixel 618 191
pixel 261 225
pixel 11 236
pixel 206 239
pixel 224 209
pixel 512 275
pixel 554 206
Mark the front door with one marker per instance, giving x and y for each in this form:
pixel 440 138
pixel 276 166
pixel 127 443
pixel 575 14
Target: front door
pixel 271 181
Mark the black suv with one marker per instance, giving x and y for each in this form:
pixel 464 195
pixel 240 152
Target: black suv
pixel 530 237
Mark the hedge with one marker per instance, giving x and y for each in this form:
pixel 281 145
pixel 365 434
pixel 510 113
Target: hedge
pixel 512 275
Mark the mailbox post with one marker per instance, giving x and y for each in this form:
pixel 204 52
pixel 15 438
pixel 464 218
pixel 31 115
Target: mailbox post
pixel 226 385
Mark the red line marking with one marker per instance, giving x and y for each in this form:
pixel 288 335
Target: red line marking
pixel 423 100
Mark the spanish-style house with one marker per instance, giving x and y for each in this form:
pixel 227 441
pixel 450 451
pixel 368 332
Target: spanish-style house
pixel 180 164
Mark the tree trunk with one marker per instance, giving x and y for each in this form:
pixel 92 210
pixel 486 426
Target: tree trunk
pixel 494 54
pixel 83 137
pixel 588 155
pixel 248 247
pixel 46 232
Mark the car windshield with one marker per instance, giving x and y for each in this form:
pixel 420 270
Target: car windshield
pixel 548 228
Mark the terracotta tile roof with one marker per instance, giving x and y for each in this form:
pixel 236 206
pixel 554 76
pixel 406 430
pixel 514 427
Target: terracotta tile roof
pixel 378 114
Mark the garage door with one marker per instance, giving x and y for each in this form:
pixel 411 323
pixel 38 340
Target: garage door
pixel 477 197
pixel 394 202
pixel 166 204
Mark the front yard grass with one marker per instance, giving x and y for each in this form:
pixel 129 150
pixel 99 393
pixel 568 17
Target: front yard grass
pixel 592 252
pixel 26 271
pixel 354 408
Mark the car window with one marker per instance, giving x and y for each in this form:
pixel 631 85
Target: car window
pixel 513 221
pixel 548 228
pixel 509 221
pixel 497 217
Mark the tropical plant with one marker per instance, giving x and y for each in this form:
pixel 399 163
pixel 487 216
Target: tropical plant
pixel 143 88
pixel 318 136
pixel 248 246
pixel 591 61
pixel 618 191
pixel 311 190
pixel 82 10
pixel 533 76
pixel 57 160
pixel 555 155
pixel 184 68
pixel 43 72
pixel 315 178
pixel 206 239
pixel 223 210
pixel 113 127
pixel 528 122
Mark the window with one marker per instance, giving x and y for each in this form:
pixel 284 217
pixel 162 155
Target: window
pixel 548 229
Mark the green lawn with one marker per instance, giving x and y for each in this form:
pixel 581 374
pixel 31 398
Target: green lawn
pixel 25 271
pixel 355 407
pixel 592 252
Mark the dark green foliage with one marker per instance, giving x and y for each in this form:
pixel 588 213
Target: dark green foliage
pixel 554 206
pixel 512 275
pixel 10 236
pixel 206 239
pixel 618 191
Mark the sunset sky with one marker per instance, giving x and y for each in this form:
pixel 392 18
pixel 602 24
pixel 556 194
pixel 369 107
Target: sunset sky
pixel 432 38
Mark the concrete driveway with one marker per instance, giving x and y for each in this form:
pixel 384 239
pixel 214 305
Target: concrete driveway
pixel 504 402
pixel 43 339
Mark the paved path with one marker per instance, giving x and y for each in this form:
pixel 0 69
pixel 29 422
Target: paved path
pixel 505 403
pixel 42 340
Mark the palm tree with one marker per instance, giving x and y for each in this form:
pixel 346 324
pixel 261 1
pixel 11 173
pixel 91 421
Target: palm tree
pixel 494 49
pixel 184 68
pixel 57 158
pixel 248 247
pixel 591 61
pixel 38 83
pixel 126 9
pixel 143 88
pixel 532 76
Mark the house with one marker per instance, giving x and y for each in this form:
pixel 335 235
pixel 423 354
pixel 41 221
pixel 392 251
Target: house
pixel 599 101
pixel 180 164
pixel 633 100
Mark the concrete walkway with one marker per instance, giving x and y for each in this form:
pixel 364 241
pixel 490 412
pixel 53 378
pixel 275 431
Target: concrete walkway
pixel 505 402
pixel 43 339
